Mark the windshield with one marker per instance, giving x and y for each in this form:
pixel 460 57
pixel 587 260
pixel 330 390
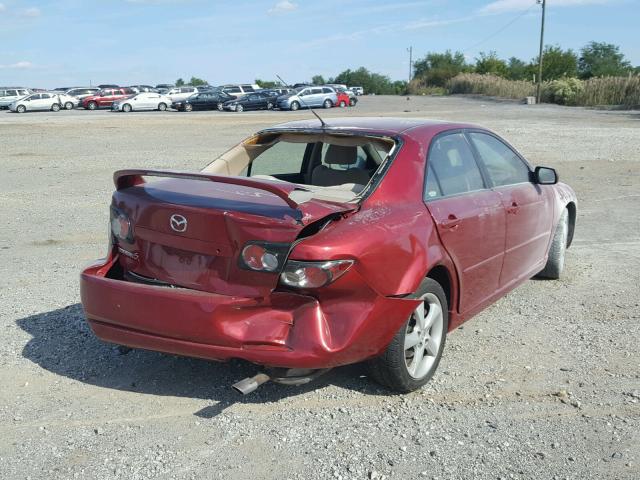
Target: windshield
pixel 335 167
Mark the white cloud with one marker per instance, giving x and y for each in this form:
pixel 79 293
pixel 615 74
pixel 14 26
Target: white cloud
pixel 502 6
pixel 22 65
pixel 31 12
pixel 284 6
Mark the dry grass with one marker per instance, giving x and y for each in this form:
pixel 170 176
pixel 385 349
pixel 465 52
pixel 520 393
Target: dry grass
pixel 623 91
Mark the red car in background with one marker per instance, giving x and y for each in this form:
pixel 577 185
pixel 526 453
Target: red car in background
pixel 310 246
pixel 343 100
pixel 105 98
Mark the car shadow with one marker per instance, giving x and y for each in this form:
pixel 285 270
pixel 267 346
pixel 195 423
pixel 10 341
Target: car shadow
pixel 62 343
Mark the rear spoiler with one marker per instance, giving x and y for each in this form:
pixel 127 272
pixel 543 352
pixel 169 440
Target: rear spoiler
pixel 130 178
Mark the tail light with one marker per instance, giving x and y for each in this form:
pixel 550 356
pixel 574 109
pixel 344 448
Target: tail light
pixel 121 226
pixel 264 257
pixel 313 274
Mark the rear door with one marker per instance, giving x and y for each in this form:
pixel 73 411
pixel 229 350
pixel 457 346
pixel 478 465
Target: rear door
pixel 528 207
pixel 469 217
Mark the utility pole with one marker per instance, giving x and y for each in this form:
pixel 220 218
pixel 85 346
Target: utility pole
pixel 544 5
pixel 410 50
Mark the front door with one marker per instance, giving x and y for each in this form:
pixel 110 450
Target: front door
pixel 528 207
pixel 469 217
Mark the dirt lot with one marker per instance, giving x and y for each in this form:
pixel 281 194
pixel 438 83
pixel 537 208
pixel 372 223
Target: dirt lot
pixel 545 384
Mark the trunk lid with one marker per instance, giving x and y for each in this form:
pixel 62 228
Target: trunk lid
pixel 189 229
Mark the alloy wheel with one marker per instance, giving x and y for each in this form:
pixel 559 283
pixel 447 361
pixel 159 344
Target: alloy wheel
pixel 423 336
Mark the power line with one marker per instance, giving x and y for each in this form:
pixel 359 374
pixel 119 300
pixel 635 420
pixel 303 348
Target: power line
pixel 503 28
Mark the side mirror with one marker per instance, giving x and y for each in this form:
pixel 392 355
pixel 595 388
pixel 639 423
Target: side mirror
pixel 545 176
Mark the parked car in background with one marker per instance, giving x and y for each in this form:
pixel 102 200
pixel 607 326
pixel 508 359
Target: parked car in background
pixel 105 98
pixel 251 101
pixel 8 95
pixel 37 102
pixel 240 89
pixel 177 94
pixel 80 93
pixel 142 101
pixel 332 257
pixel 279 90
pixel 108 85
pixel 351 99
pixel 308 97
pixel 207 100
pixel 343 99
pixel 66 101
pixel 357 90
pixel 143 88
pixel 168 86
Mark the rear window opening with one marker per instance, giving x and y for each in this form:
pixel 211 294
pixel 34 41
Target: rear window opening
pixel 330 166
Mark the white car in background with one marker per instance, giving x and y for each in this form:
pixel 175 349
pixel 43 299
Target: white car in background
pixel 38 101
pixel 142 101
pixel 179 94
pixel 8 95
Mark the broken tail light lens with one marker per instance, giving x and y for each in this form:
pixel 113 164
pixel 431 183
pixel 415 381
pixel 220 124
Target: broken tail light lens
pixel 121 225
pixel 313 274
pixel 263 256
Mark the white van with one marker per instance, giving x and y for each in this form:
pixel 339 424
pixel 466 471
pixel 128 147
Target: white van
pixel 9 95
pixel 240 90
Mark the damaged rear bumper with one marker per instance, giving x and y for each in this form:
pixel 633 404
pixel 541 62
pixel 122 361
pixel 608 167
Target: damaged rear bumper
pixel 352 323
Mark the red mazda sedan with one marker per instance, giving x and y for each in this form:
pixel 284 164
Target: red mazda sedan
pixel 309 246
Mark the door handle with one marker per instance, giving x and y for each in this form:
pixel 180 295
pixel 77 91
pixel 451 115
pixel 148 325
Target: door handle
pixel 513 208
pixel 451 222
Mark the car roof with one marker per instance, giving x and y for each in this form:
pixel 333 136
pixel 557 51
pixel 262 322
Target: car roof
pixel 381 125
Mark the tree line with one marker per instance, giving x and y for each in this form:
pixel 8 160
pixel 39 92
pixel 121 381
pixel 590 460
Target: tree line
pixel 596 59
pixel 436 69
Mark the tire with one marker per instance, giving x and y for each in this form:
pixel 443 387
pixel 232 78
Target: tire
pixel 397 368
pixel 92 105
pixel 126 108
pixel 68 106
pixel 342 104
pixel 352 102
pixel 294 106
pixel 327 103
pixel 239 108
pixel 162 107
pixel 21 109
pixel 188 107
pixel 55 107
pixel 555 264
pixel 269 106
pixel 220 106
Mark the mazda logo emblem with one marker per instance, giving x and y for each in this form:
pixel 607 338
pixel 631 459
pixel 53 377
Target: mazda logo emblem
pixel 178 223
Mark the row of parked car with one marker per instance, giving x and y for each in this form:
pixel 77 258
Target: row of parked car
pixel 235 98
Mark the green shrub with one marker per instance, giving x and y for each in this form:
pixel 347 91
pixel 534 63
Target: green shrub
pixel 564 91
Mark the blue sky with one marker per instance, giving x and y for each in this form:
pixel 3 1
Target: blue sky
pixel 71 42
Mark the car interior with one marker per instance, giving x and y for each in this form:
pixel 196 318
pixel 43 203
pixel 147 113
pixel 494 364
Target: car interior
pixel 329 166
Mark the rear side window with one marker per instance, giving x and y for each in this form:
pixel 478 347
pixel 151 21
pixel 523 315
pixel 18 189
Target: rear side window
pixel 248 88
pixel 327 90
pixel 452 168
pixel 502 163
pixel 315 91
pixel 281 158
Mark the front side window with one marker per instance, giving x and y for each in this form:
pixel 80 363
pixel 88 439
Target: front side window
pixel 502 163
pixel 248 88
pixel 45 95
pixel 452 167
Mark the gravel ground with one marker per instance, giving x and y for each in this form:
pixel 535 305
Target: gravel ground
pixel 545 384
